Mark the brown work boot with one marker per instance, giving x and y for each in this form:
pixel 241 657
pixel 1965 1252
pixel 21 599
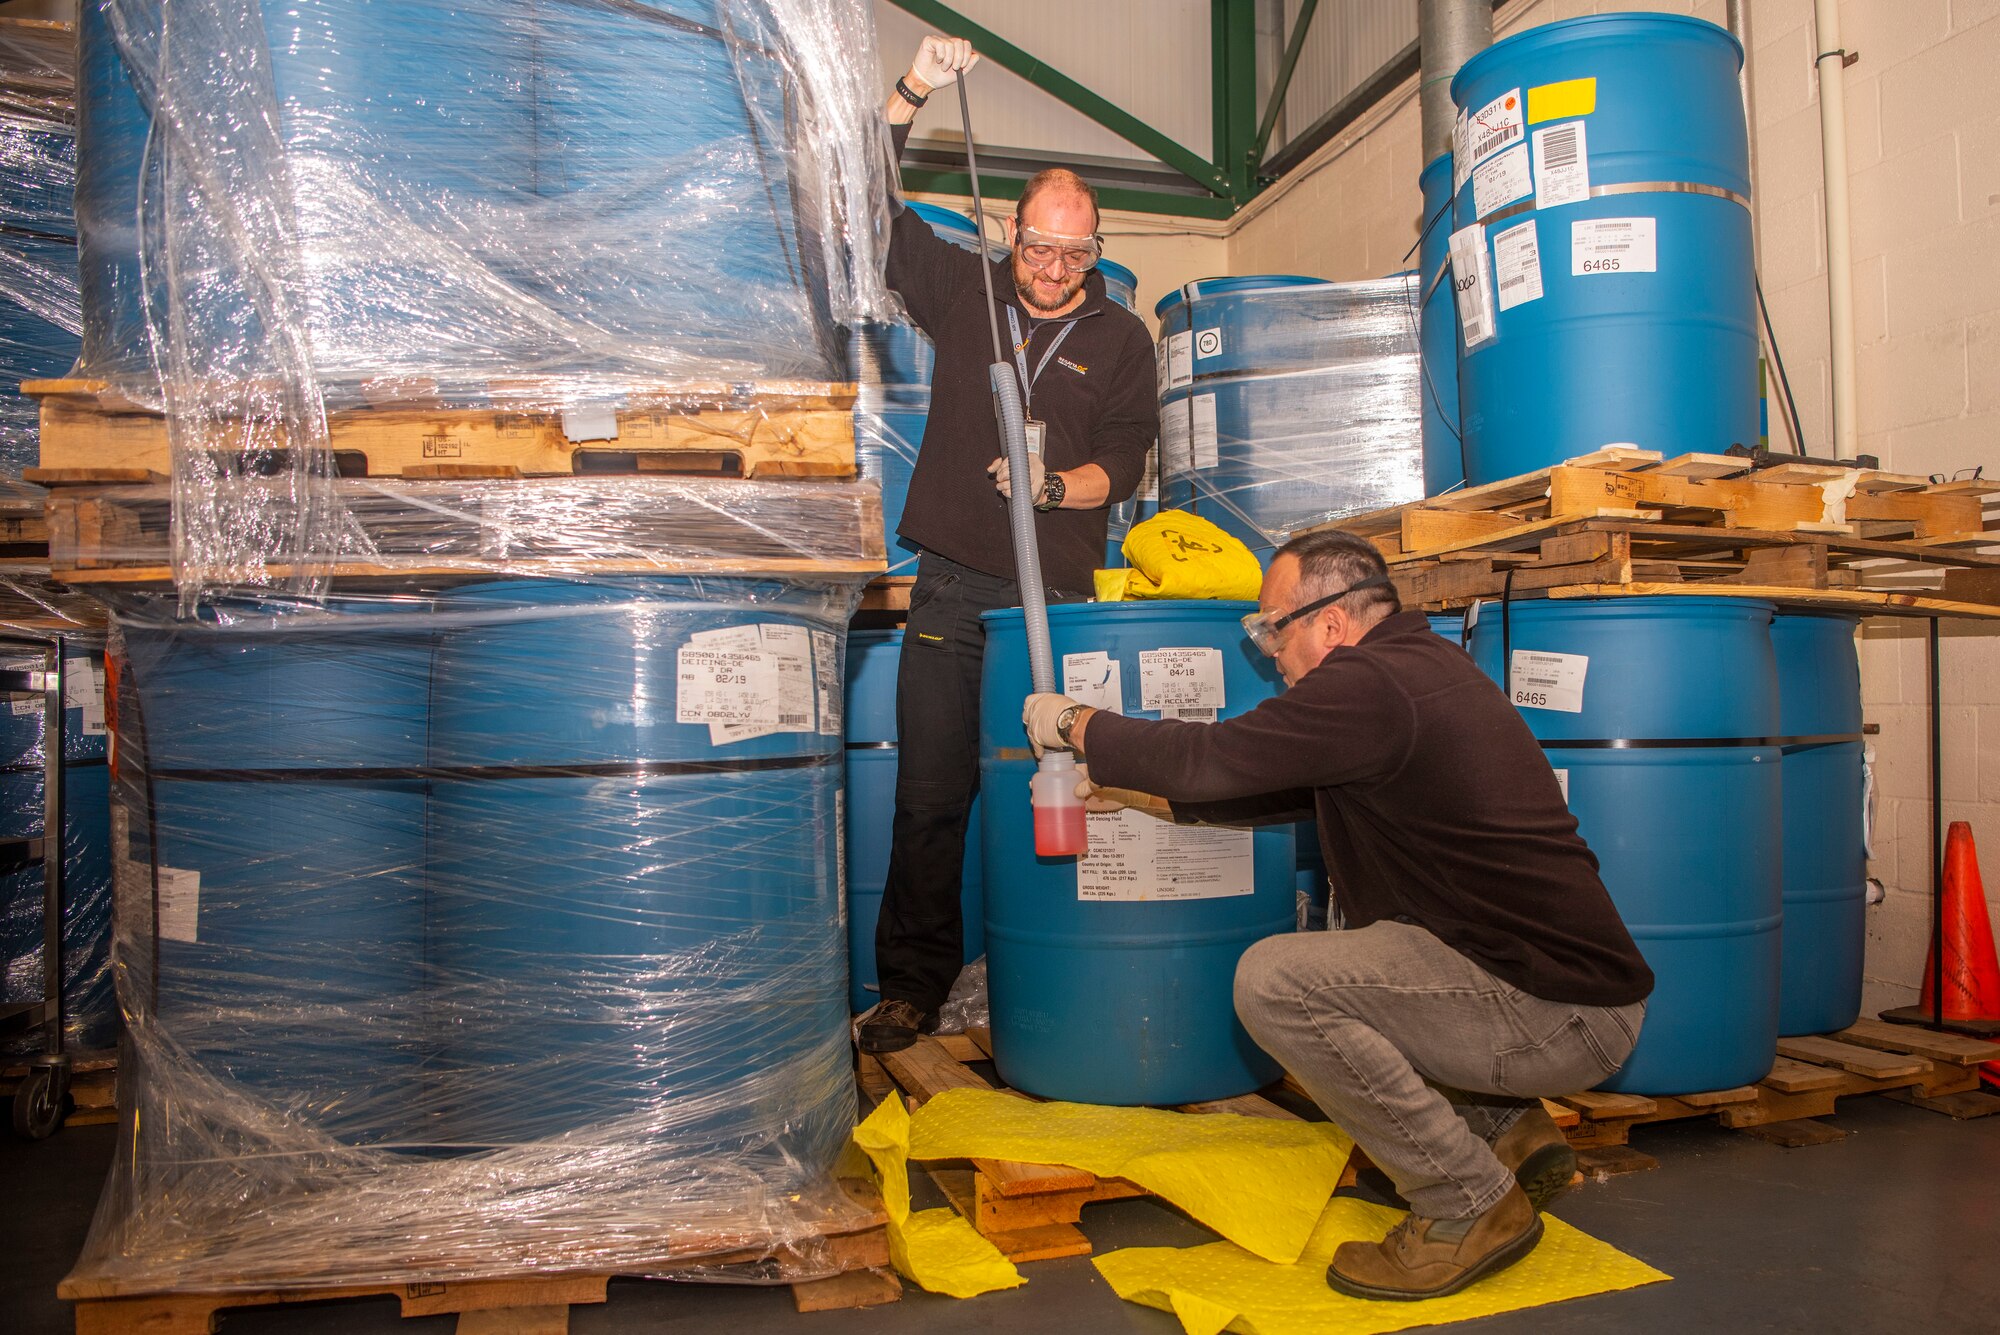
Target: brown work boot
pixel 893 1026
pixel 1535 1152
pixel 1429 1258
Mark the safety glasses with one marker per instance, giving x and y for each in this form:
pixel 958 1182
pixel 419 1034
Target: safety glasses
pixel 1043 250
pixel 1264 628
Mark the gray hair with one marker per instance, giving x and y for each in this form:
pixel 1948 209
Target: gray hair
pixel 1330 559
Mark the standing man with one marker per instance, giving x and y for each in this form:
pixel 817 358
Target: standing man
pixel 1086 371
pixel 1480 963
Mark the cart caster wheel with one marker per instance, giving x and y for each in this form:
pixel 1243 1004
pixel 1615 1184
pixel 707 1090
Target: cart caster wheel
pixel 38 1105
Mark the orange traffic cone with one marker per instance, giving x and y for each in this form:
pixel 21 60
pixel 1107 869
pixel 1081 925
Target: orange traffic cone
pixel 1971 969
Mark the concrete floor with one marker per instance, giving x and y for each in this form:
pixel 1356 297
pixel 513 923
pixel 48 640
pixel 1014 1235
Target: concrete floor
pixel 1895 1228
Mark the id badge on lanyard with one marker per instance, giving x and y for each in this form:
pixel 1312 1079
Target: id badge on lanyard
pixel 1037 430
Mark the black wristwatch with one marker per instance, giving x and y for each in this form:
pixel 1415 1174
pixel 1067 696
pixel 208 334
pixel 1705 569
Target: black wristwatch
pixel 1053 491
pixel 1067 720
pixel 910 97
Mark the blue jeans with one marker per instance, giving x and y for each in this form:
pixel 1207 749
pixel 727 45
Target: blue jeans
pixel 1422 1056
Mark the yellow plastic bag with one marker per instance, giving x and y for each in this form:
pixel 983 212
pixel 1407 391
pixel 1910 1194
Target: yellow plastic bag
pixel 1178 555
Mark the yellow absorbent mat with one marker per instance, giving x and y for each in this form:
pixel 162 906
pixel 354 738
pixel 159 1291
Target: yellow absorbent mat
pixel 1180 555
pixel 1223 1287
pixel 936 1249
pixel 1260 1182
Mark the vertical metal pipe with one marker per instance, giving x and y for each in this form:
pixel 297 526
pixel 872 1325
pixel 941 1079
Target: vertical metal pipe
pixel 1449 32
pixel 1937 835
pixel 1832 66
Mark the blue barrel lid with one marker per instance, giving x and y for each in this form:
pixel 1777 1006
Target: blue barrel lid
pixel 1114 272
pixel 1214 287
pixel 942 219
pixel 1439 165
pixel 1582 29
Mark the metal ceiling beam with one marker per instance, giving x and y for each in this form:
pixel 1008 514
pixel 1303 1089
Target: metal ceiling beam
pixel 1074 95
pixel 1282 84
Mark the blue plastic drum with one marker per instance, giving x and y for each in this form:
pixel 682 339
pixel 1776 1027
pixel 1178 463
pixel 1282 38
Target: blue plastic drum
pixel 634 922
pixel 1444 462
pixel 873 657
pixel 1111 976
pixel 1660 715
pixel 1826 856
pixel 1120 284
pixel 1628 130
pixel 287 852
pixel 90 1005
pixel 1290 401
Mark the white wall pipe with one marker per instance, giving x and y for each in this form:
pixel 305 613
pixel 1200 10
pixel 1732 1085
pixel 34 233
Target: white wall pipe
pixel 1832 67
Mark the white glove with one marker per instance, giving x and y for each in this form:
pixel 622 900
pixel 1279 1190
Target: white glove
pixel 1038 476
pixel 938 63
pixel 1038 715
pixel 1096 797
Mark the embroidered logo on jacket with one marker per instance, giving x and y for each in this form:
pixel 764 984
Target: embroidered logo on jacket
pixel 1080 370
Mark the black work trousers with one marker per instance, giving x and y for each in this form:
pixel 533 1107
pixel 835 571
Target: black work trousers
pixel 920 936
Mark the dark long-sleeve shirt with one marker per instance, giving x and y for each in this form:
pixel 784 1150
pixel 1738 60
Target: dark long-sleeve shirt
pixel 1096 397
pixel 1436 806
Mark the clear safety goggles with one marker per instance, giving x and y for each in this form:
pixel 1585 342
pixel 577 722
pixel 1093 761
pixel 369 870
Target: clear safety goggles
pixel 1264 628
pixel 1042 249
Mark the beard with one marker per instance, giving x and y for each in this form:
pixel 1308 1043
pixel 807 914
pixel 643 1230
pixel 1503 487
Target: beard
pixel 1024 285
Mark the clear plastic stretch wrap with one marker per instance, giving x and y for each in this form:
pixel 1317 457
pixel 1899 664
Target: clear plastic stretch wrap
pixel 40 317
pixel 287 209
pixel 1288 402
pixel 479 929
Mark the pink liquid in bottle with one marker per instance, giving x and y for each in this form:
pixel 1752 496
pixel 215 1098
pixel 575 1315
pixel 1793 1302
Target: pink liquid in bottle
pixel 1061 832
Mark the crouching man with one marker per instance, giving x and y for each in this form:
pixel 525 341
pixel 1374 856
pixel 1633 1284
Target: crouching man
pixel 1479 963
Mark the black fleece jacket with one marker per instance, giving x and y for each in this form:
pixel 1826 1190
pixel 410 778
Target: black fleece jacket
pixel 1096 397
pixel 1436 807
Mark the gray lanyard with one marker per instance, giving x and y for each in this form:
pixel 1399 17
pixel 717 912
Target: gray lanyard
pixel 1021 355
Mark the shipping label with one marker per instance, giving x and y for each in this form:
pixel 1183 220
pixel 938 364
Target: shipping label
pixel 1182 683
pixel 1613 245
pixel 1538 680
pixel 1136 857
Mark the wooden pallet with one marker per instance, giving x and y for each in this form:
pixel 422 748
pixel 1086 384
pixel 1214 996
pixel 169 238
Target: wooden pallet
pixel 436 528
pixel 1626 522
pixel 890 593
pixel 524 1304
pixel 1030 1211
pixel 1939 1072
pixel 770 429
pixel 93 1087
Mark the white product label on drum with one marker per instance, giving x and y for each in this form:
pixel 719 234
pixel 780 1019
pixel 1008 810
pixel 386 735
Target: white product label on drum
pixel 1097 680
pixel 1461 157
pixel 1472 285
pixel 1562 782
pixel 1207 343
pixel 1500 180
pixel 1180 359
pixel 746 681
pixel 1174 438
pixel 1612 245
pixel 1562 165
pixel 1201 431
pixel 1517 265
pixel 180 904
pixel 840 851
pixel 1160 367
pixel 27 704
pixel 826 681
pixel 1548 681
pixel 1182 683
pixel 1494 126
pixel 1136 857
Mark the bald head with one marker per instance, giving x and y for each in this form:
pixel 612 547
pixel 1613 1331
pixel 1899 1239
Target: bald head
pixel 1058 192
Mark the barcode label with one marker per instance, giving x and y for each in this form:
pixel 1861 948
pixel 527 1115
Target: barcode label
pixel 1494 126
pixel 1472 286
pixel 1613 245
pixel 1189 714
pixel 1500 180
pixel 1562 165
pixel 1517 265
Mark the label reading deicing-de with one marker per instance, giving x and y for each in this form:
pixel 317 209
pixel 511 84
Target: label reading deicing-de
pixel 1133 856
pixel 1612 245
pixel 1547 681
pixel 1517 265
pixel 1180 359
pixel 1096 679
pixel 1472 286
pixel 180 905
pixel 1500 180
pixel 746 681
pixel 1201 431
pixel 1494 126
pixel 1181 683
pixel 1562 165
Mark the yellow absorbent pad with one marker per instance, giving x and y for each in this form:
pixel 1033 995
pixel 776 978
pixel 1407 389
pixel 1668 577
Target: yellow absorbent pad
pixel 1260 1182
pixel 936 1249
pixel 1178 555
pixel 1223 1287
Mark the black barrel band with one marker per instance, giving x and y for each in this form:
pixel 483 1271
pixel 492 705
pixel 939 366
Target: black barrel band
pixel 871 746
pixel 1693 743
pixel 619 769
pixel 83 762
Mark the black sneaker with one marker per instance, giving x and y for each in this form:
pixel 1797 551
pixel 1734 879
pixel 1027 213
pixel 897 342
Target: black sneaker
pixel 894 1025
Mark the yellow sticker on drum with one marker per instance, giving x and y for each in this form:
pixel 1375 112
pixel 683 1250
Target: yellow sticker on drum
pixel 1555 101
